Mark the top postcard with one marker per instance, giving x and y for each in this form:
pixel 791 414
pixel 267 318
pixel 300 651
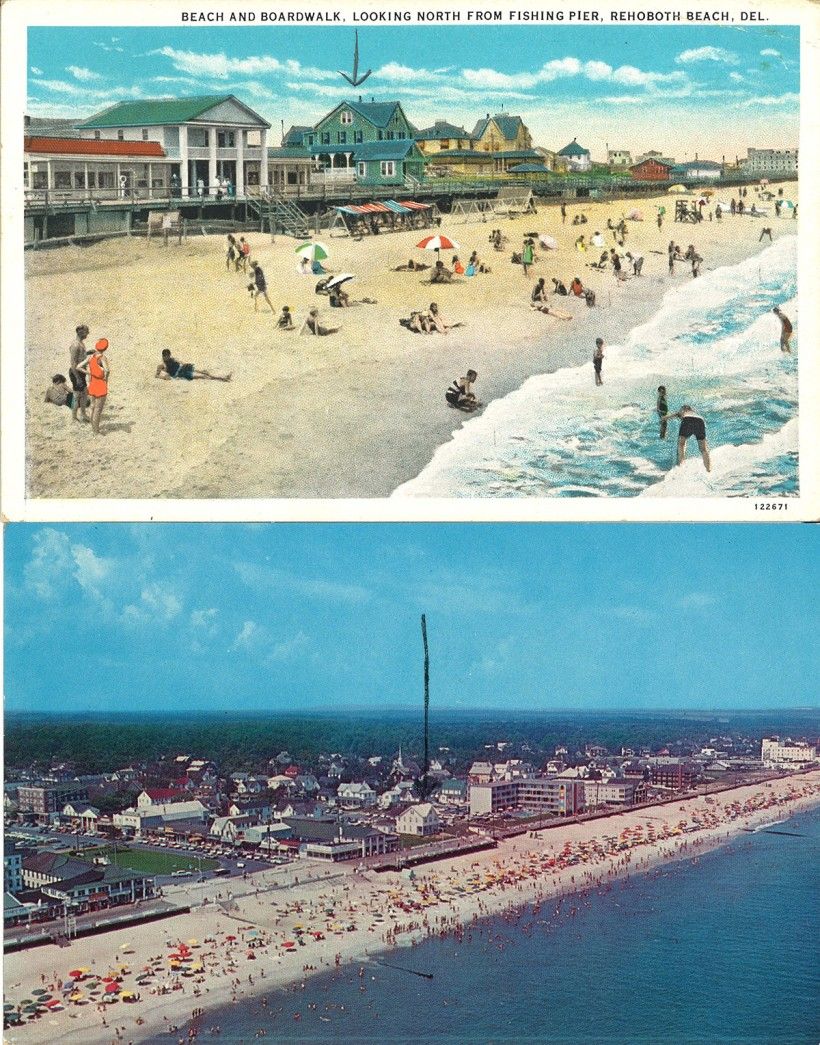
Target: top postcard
pixel 410 262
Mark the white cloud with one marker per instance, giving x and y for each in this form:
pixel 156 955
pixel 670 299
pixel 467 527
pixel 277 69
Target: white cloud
pixel 737 77
pixel 36 71
pixel 564 68
pixel 289 649
pixel 312 587
pixel 404 74
pixel 81 73
pixel 56 562
pixel 770 52
pixel 770 100
pixel 158 604
pixel 251 636
pixel 220 67
pixel 61 87
pixel 707 54
pixel 205 620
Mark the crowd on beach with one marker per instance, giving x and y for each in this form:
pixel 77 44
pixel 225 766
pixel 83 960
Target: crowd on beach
pixel 85 388
pixel 252 951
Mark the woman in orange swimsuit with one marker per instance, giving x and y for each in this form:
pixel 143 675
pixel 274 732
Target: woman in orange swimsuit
pixel 97 368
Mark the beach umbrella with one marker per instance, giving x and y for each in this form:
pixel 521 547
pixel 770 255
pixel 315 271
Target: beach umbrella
pixel 437 243
pixel 635 215
pixel 112 988
pixel 787 204
pixel 337 281
pixel 677 188
pixel 313 251
pixel 77 974
pixel 548 242
pixel 707 192
pixel 763 181
pixel 39 990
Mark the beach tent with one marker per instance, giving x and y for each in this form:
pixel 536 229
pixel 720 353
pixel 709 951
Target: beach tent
pixel 471 210
pixel 512 200
pixel 677 188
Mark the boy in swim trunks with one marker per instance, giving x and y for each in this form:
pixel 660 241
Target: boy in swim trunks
pixel 171 368
pixel 786 330
pixel 691 424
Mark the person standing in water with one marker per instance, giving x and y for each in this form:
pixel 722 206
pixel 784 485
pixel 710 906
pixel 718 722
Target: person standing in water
pixel 98 370
pixel 691 424
pixel 662 409
pixel 598 359
pixel 786 330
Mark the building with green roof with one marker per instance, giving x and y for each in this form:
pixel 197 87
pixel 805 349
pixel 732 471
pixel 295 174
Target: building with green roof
pixel 576 156
pixel 441 137
pixel 210 141
pixel 501 133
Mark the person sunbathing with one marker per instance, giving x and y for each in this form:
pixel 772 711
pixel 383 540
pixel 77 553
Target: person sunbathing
pixel 437 322
pixel 170 368
pixel 313 326
pixel 548 310
pixel 411 266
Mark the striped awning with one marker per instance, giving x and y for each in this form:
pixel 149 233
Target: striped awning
pixel 387 207
pixel 412 205
pixel 397 208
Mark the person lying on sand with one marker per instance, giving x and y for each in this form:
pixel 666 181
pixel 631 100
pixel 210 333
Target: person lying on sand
pixel 170 368
pixel 559 313
pixel 411 266
pixel 460 393
pixel 436 320
pixel 313 326
pixel 285 320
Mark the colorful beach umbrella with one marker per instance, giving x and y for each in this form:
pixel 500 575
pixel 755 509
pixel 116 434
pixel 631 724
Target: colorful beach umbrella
pixel 437 243
pixel 313 251
pixel 337 281
pixel 112 988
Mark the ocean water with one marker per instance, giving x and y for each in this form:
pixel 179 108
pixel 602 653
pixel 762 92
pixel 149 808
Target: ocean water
pixel 720 949
pixel 713 343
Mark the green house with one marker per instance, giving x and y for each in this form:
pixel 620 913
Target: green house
pixel 366 142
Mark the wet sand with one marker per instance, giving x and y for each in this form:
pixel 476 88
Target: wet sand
pixel 388 910
pixel 355 414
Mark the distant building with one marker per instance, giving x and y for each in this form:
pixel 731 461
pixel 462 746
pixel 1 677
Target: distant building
pixel 356 794
pixel 80 814
pixel 653 154
pixel 155 796
pixel 786 754
pixel 334 840
pixel 12 867
pixel 759 162
pixel 577 157
pixel 452 792
pixel 697 170
pixel 421 819
pixel 501 133
pixel 138 821
pixel 619 157
pixel 89 886
pixel 675 775
pixel 613 792
pixel 562 797
pixel 442 136
pixel 651 169
pixel 45 799
pixel 480 772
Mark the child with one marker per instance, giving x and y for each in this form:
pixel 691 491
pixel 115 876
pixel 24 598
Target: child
pixel 58 392
pixel 662 409
pixel 285 321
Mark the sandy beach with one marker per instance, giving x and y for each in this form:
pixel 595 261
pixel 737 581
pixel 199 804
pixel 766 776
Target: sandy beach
pixel 355 414
pixel 233 951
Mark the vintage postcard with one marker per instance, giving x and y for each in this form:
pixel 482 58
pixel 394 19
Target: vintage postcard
pixel 319 784
pixel 417 262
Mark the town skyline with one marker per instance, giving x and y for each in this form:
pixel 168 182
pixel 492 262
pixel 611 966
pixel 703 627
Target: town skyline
pixel 711 92
pixel 327 617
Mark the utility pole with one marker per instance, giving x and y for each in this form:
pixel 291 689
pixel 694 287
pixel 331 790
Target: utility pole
pixel 426 769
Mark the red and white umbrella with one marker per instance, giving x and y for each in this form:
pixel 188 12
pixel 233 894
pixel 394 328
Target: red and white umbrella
pixel 437 243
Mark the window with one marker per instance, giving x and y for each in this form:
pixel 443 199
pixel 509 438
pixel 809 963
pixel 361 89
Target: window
pixel 347 117
pixel 444 143
pixel 96 135
pixel 358 137
pixel 225 139
pixel 325 137
pixel 361 169
pixel 120 135
pixel 310 139
pixel 381 135
pixel 390 136
pixel 341 137
pixel 388 168
pixel 62 179
pixel 145 134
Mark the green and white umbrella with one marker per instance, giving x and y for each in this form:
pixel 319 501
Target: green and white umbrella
pixel 313 251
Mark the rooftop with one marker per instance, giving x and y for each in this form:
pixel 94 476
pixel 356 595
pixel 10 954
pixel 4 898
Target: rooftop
pixel 160 111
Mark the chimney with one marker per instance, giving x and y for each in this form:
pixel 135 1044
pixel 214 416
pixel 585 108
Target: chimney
pixel 360 99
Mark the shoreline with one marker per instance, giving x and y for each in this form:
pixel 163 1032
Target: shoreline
pixel 514 874
pixel 356 414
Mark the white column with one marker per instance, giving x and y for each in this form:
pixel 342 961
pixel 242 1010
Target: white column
pixel 263 166
pixel 211 158
pixel 239 180
pixel 183 159
pixel 85 176
pixel 150 182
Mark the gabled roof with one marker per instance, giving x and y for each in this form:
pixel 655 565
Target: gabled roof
pixel 377 113
pixel 652 159
pixel 289 152
pixel 508 125
pixel 154 112
pixel 441 129
pixel 573 149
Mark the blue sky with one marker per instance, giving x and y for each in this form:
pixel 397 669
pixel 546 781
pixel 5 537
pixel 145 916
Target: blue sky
pixel 285 617
pixel 681 90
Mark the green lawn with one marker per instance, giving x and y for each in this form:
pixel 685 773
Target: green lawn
pixel 151 862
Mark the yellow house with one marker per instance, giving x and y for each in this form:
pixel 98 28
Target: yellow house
pixel 442 137
pixel 501 133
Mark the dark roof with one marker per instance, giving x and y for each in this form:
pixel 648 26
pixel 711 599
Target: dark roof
pixel 573 149
pixel 441 129
pixel 294 134
pixel 160 111
pixel 508 125
pixel 48 127
pixel 651 159
pixel 58 864
pixel 383 150
pixel 517 154
pixel 528 168
pixel 697 164
pixel 378 113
